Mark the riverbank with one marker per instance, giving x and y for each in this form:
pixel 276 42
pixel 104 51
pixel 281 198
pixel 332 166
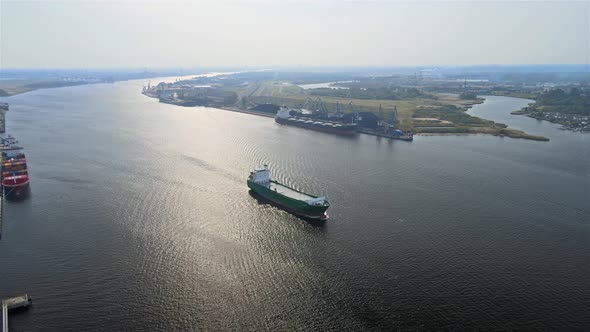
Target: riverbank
pixel 495 129
pixel 20 82
pixel 501 130
pixel 514 135
pixel 566 107
pixel 571 122
pixel 238 110
pixel 15 87
pixel 424 113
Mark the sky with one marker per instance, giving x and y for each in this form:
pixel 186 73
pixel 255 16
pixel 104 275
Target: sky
pixel 265 33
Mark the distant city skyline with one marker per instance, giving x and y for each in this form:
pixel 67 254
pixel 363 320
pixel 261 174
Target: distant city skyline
pixel 189 34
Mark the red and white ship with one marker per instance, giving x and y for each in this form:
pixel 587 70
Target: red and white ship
pixel 15 176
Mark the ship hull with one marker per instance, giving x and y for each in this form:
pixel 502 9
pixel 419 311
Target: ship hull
pixel 288 204
pixel 403 138
pixel 326 129
pixel 13 166
pixel 16 192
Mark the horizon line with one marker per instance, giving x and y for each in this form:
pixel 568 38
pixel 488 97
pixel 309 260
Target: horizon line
pixel 262 67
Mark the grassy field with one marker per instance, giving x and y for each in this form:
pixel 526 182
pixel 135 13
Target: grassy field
pixel 443 115
pixel 294 96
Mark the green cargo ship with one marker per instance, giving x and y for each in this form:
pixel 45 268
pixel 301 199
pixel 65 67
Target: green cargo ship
pixel 289 199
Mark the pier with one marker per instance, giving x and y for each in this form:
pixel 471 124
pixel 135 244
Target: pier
pixel 3 110
pixel 1 194
pixel 22 301
pixel 1 212
pixel 372 132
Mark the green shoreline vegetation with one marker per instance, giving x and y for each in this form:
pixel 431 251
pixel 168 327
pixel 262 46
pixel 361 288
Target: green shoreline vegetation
pixel 429 113
pixel 568 108
pixel 575 101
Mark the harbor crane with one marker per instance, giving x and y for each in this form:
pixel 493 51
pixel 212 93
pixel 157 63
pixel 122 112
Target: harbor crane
pixel 355 114
pixel 320 108
pixel 339 114
pixel 392 118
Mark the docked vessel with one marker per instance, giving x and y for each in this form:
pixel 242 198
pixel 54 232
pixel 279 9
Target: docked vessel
pixel 285 117
pixel 15 176
pixel 289 199
pixel 401 135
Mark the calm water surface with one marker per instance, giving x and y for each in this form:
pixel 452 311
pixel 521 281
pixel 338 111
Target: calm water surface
pixel 140 219
pixel 324 85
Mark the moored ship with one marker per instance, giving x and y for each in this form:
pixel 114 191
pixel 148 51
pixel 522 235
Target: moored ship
pixel 285 117
pixel 15 176
pixel 289 199
pixel 401 135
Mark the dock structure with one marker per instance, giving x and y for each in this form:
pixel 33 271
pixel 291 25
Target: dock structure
pixel 21 301
pixel 1 212
pixel 1 198
pixel 2 145
pixel 1 205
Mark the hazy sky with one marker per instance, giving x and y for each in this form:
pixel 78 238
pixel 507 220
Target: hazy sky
pixel 92 34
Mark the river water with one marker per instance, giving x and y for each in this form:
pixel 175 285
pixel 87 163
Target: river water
pixel 324 85
pixel 140 219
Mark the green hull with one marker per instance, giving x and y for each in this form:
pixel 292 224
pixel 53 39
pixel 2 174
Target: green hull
pixel 293 205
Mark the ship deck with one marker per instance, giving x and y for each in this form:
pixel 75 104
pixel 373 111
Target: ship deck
pixel 286 191
pixel 320 122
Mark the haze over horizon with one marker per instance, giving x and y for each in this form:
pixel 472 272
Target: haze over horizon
pixel 85 34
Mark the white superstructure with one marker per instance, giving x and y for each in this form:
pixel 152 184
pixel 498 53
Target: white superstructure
pixel 261 176
pixel 284 113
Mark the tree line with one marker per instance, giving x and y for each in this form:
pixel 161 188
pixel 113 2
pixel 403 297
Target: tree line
pixel 575 101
